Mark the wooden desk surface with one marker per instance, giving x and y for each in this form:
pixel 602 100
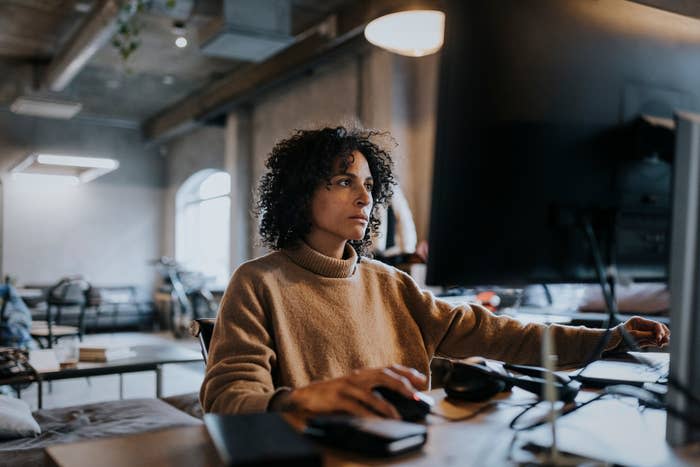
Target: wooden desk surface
pixel 484 440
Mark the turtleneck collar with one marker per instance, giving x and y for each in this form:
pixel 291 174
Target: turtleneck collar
pixel 308 258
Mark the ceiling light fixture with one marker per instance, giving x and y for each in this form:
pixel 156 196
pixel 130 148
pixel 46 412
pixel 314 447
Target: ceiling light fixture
pixel 72 161
pixel 45 108
pixel 181 42
pixel 413 33
pixel 82 169
pixel 178 28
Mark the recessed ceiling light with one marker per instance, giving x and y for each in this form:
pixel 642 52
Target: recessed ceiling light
pixel 82 6
pixel 168 80
pixel 181 42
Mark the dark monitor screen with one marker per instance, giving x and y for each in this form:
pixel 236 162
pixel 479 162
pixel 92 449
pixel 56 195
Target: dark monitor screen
pixel 539 132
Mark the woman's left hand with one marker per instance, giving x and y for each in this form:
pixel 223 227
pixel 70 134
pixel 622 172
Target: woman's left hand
pixel 647 333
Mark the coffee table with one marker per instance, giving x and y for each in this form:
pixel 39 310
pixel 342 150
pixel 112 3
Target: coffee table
pixel 146 358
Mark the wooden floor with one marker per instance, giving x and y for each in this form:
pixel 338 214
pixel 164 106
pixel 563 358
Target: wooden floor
pixel 177 378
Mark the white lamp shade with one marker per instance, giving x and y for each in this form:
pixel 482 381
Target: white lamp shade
pixel 413 33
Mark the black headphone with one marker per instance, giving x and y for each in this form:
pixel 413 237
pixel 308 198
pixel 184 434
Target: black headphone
pixel 473 380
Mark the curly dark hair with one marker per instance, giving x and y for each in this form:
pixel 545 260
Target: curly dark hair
pixel 298 165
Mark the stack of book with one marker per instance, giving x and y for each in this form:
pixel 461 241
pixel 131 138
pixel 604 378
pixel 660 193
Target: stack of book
pixel 101 353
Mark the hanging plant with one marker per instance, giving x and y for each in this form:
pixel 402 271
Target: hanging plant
pixel 126 39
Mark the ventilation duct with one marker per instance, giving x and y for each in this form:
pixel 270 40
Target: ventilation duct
pixel 250 30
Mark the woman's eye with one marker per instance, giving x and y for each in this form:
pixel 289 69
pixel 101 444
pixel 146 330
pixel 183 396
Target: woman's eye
pixel 344 182
pixel 369 186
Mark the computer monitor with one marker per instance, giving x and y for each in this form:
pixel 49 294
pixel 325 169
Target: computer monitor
pixel 536 137
pixel 536 140
pixel 684 280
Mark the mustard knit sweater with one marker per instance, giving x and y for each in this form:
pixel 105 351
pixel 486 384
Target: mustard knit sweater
pixel 296 316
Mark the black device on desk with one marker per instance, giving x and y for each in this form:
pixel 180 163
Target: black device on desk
pixel 367 436
pixel 261 439
pixel 411 410
pixel 476 381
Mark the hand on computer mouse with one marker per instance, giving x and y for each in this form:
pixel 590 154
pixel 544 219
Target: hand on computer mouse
pixel 353 394
pixel 411 409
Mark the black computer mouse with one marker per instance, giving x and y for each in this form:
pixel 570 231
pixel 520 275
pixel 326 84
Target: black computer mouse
pixel 411 410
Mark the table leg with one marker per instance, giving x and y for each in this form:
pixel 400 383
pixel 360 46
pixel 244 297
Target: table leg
pixel 159 381
pixel 121 386
pixel 40 394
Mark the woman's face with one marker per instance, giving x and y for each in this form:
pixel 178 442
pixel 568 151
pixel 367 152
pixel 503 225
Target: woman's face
pixel 340 209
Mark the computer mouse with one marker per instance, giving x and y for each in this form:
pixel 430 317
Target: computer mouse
pixel 410 410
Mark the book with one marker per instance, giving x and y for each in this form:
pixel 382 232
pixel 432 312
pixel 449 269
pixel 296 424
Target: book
pixel 104 353
pixel 260 439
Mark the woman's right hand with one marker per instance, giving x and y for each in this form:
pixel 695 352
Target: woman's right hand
pixel 353 394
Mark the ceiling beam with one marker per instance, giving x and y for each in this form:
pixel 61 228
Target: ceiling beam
pixel 98 28
pixel 239 85
pixel 689 8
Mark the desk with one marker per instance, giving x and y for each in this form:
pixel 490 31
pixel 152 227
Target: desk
pixel 484 440
pixel 146 358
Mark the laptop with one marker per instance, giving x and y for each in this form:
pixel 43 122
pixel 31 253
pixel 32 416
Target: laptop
pixel 635 368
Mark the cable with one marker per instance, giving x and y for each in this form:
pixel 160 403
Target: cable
pixel 607 295
pixel 544 420
pixel 648 399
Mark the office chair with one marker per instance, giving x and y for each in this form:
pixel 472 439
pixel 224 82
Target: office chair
pixel 67 293
pixel 202 328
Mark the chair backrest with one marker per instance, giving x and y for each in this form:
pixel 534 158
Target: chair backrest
pixel 68 291
pixel 202 328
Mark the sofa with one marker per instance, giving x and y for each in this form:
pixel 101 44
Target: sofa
pixel 99 420
pixel 107 308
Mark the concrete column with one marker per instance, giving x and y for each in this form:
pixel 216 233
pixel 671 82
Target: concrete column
pixel 422 95
pixel 399 94
pixel 238 163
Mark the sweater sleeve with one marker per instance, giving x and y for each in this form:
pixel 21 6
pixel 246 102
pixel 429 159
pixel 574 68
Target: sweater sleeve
pixel 241 353
pixel 471 330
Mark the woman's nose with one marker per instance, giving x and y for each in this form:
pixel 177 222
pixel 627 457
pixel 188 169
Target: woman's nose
pixel 365 196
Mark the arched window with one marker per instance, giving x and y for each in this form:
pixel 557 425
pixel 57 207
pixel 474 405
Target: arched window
pixel 202 224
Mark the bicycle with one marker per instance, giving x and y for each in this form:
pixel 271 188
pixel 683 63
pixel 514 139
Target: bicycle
pixel 189 296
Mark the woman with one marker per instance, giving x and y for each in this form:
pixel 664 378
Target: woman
pixel 315 325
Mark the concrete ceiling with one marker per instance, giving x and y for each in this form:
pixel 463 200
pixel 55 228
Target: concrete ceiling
pixel 157 75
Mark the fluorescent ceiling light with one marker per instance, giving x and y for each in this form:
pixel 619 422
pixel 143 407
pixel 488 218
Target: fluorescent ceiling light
pixel 72 161
pixel 82 169
pixel 45 108
pixel 413 33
